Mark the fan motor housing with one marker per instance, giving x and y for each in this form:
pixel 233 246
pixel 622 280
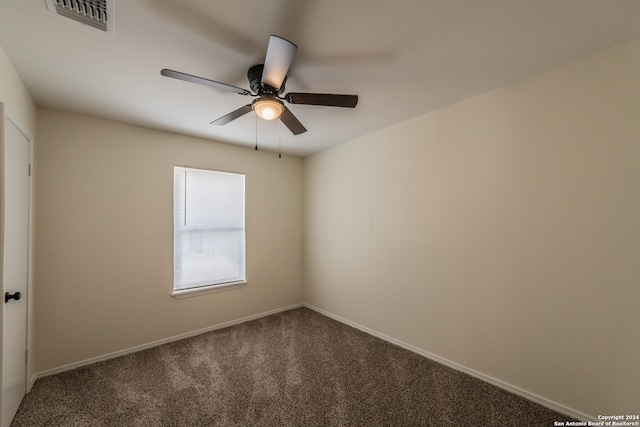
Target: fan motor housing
pixel 254 75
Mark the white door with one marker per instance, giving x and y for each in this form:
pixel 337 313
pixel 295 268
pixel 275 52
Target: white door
pixel 15 269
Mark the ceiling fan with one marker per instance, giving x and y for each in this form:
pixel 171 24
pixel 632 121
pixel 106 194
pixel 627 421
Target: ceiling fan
pixel 267 84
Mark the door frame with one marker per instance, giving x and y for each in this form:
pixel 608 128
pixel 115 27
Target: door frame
pixel 30 377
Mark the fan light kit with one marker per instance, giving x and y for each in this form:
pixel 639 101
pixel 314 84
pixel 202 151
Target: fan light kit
pixel 268 108
pixel 267 84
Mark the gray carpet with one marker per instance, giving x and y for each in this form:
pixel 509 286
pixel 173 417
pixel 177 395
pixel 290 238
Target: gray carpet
pixel 296 368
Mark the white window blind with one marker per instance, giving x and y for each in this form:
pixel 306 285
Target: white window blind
pixel 208 223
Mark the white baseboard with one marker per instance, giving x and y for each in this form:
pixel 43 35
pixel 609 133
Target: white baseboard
pixel 142 347
pixel 486 378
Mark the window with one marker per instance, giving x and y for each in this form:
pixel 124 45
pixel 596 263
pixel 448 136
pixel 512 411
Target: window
pixel 208 230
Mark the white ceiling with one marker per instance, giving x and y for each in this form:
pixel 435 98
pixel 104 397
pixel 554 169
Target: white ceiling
pixel 403 58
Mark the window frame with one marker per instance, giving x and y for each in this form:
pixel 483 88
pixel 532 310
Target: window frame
pixel 202 289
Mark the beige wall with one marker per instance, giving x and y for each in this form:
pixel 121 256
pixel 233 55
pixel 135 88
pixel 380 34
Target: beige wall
pixel 104 250
pixel 501 233
pixel 13 93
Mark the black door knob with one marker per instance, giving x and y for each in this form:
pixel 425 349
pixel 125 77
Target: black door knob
pixel 8 296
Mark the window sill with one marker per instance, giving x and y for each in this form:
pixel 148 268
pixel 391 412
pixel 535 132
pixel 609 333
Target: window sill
pixel 187 293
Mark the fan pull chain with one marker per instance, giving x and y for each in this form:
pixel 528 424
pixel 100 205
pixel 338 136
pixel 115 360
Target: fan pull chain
pixel 256 132
pixel 280 141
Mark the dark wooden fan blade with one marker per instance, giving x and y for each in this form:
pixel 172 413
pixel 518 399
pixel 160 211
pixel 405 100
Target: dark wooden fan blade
pixel 199 80
pixel 292 122
pixel 232 115
pixel 280 53
pixel 326 99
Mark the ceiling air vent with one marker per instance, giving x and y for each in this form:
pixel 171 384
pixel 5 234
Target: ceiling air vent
pixel 89 12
